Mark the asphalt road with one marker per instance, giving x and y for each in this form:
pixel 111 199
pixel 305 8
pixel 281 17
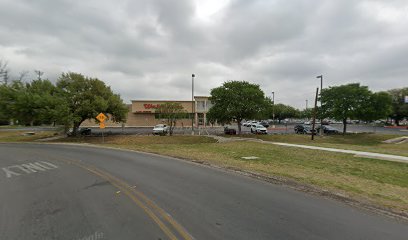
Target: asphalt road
pixel 72 192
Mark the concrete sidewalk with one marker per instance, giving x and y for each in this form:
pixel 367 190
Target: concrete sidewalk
pixel 389 157
pixel 356 153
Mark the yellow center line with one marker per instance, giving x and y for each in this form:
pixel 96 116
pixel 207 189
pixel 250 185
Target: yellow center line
pixel 130 192
pixel 133 194
pixel 175 224
pixel 149 212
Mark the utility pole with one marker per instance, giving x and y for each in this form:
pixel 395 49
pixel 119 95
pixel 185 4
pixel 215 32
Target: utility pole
pixel 306 114
pixel 192 104
pixel 314 114
pixel 39 73
pixel 321 117
pixel 273 109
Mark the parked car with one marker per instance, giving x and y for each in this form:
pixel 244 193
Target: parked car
pixel 160 129
pixel 258 129
pixel 265 124
pixel 85 131
pixel 325 122
pixel 81 131
pixel 303 129
pixel 328 129
pixel 247 124
pixel 229 131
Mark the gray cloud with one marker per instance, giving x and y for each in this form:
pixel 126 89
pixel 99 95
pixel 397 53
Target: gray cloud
pixel 149 49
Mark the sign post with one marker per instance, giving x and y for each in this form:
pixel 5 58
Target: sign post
pixel 101 118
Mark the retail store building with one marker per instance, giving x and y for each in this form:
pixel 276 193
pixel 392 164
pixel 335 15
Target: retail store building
pixel 142 113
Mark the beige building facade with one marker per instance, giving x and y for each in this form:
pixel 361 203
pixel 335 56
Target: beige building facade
pixel 142 114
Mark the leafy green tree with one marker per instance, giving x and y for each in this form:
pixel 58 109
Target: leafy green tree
pixel 87 97
pixel 236 100
pixel 12 99
pixel 399 107
pixel 379 106
pixel 345 101
pixel 283 111
pixel 7 97
pixel 171 111
pixel 32 103
pixel 306 113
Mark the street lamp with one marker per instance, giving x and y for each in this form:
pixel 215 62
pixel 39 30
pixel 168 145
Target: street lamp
pixel 321 88
pixel 273 109
pixel 192 103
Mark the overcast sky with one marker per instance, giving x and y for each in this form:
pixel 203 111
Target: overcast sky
pixel 149 49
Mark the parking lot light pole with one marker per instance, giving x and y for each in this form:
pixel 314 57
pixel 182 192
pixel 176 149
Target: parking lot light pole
pixel 321 117
pixel 192 104
pixel 273 109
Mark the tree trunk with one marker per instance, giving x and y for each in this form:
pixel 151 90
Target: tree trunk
pixel 344 126
pixel 172 125
pixel 397 122
pixel 76 127
pixel 239 125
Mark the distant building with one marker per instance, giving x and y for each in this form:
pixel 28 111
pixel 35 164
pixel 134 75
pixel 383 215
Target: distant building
pixel 142 113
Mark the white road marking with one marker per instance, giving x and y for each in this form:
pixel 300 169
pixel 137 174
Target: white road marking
pixel 32 167
pixel 28 168
pixel 10 173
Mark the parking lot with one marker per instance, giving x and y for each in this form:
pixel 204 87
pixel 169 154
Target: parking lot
pixel 279 129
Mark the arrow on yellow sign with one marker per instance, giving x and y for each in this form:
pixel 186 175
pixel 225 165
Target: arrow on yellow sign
pixel 101 117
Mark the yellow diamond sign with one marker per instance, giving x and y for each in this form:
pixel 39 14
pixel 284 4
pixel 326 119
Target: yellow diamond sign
pixel 101 117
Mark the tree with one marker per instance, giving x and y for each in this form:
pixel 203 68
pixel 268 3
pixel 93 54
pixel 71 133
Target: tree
pixel 306 113
pixel 236 100
pixel 345 101
pixel 283 111
pixel 171 111
pixel 87 97
pixel 6 102
pixel 399 107
pixel 378 106
pixel 32 103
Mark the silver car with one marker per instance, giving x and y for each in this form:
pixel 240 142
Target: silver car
pixel 160 129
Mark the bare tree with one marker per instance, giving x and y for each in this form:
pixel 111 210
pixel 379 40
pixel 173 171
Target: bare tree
pixel 23 74
pixel 39 73
pixel 4 71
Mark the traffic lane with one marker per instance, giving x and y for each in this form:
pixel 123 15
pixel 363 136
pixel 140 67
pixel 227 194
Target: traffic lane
pixel 63 201
pixel 214 204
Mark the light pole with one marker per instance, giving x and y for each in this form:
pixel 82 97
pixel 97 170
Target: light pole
pixel 192 104
pixel 321 117
pixel 273 109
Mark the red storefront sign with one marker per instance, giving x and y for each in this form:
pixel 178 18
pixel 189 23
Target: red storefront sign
pixel 150 106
